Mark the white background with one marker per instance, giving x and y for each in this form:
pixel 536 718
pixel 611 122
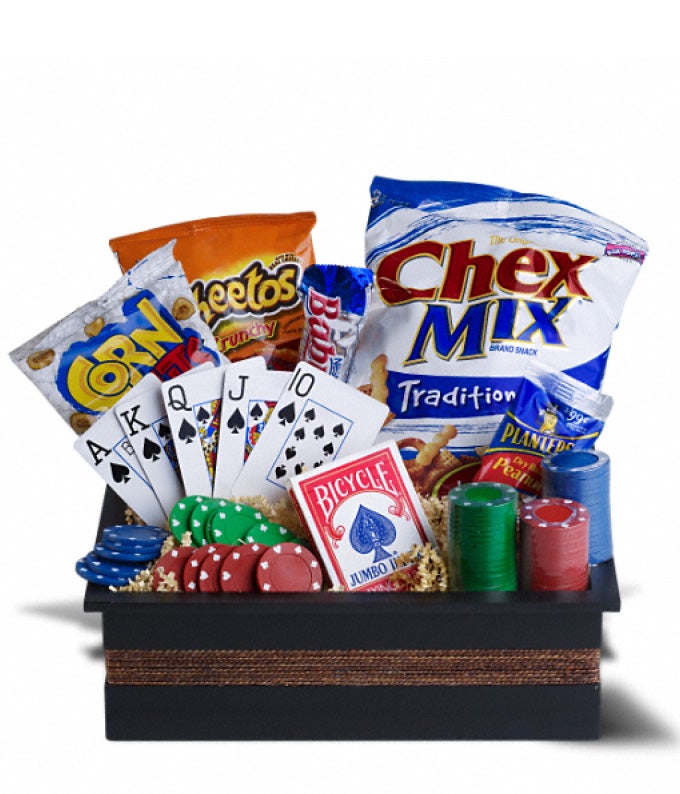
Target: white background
pixel 285 109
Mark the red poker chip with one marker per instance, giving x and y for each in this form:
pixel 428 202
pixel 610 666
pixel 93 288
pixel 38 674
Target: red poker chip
pixel 554 512
pixel 172 562
pixel 238 571
pixel 192 568
pixel 554 545
pixel 209 573
pixel 289 568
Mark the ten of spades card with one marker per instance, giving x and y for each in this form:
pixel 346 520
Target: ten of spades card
pixel 316 419
pixel 249 397
pixel 362 513
pixel 192 402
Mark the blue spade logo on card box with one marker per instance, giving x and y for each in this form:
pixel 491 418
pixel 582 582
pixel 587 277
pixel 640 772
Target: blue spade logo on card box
pixel 371 532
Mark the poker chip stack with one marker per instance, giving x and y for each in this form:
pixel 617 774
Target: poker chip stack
pixel 482 524
pixel 245 568
pixel 583 476
pixel 553 545
pixel 209 520
pixel 124 551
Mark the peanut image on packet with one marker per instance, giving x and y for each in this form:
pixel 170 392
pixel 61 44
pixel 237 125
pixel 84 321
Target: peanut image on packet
pixel 146 322
pixel 244 272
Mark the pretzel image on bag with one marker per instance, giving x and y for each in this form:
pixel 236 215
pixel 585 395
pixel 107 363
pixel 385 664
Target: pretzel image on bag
pixel 473 283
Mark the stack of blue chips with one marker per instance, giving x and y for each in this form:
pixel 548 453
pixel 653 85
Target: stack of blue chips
pixel 124 551
pixel 583 475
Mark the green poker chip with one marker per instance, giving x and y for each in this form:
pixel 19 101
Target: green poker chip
pixel 231 523
pixel 200 518
pixel 269 534
pixel 180 515
pixel 482 536
pixel 483 496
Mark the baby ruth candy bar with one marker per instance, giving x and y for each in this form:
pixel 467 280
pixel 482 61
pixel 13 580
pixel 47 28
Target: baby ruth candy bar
pixel 146 322
pixel 335 299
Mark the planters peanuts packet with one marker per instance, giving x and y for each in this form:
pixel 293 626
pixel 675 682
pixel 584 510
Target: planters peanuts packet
pixel 552 413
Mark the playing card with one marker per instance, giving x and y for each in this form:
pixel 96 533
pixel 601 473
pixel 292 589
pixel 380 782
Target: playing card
pixel 363 512
pixel 249 397
pixel 316 419
pixel 145 422
pixel 192 402
pixel 108 451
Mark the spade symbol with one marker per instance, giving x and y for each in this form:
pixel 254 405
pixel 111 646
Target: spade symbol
pixel 318 463
pixel 120 473
pixel 236 421
pixel 328 450
pixel 338 430
pixel 287 414
pixel 299 467
pixel 164 431
pixel 151 450
pixel 186 431
pixel 202 415
pixel 310 415
pixel 280 472
pixel 256 413
pixel 290 453
pixel 300 434
pixel 319 432
pixel 370 532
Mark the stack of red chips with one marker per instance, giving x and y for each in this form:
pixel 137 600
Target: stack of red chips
pixel 554 545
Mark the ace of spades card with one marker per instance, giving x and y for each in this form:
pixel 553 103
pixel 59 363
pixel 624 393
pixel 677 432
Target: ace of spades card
pixel 106 448
pixel 316 420
pixel 144 419
pixel 250 395
pixel 192 402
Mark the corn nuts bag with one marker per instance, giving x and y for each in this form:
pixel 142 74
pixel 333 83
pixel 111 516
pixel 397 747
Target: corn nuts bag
pixel 472 283
pixel 146 322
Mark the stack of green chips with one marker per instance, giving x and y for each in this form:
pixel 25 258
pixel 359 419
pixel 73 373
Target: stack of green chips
pixel 482 519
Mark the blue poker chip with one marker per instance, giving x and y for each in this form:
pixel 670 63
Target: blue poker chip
pixel 98 578
pixel 109 568
pixel 126 556
pixel 135 534
pixel 131 548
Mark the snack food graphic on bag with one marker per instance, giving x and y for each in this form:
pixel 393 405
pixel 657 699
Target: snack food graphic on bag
pixel 472 283
pixel 244 272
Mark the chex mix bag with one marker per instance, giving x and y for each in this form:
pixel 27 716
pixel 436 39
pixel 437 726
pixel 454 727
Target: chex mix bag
pixel 472 283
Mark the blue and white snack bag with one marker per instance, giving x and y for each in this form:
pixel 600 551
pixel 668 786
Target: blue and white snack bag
pixel 472 283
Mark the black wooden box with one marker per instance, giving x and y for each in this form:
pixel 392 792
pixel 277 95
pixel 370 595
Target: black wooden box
pixel 352 666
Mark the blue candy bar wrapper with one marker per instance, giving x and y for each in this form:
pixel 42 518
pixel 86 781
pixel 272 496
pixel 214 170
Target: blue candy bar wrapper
pixel 335 299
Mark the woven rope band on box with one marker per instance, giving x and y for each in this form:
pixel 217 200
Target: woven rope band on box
pixel 353 667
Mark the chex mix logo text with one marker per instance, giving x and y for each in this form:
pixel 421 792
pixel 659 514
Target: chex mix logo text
pixel 516 298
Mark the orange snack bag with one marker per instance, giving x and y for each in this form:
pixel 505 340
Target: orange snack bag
pixel 244 271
